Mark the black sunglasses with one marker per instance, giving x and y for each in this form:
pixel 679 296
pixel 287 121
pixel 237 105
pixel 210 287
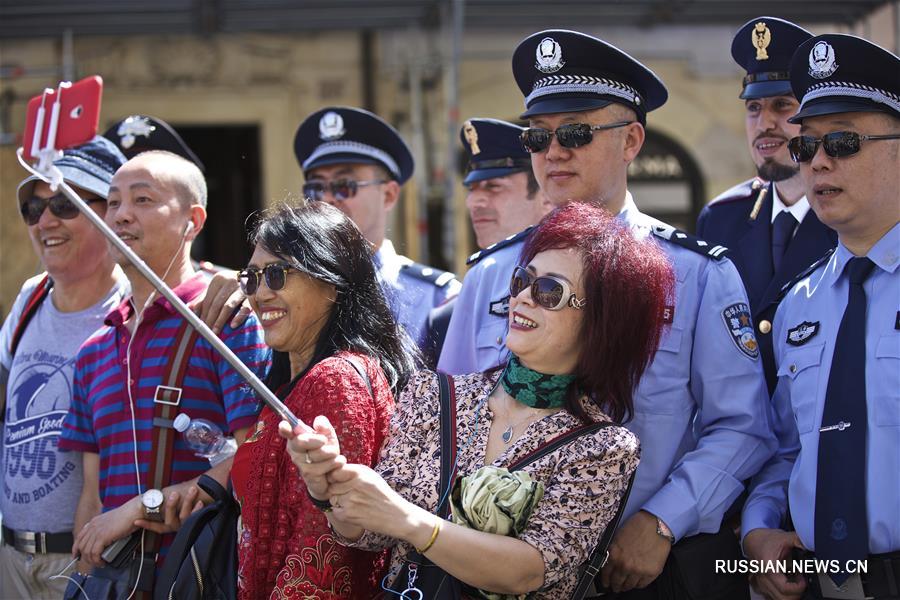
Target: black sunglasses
pixel 546 291
pixel 275 275
pixel 572 135
pixel 60 206
pixel 341 189
pixel 837 144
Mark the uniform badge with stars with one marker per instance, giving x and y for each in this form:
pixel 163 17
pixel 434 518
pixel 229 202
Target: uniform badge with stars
pixel 740 328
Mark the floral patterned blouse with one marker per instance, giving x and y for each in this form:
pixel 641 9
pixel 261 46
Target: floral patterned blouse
pixel 583 480
pixel 286 549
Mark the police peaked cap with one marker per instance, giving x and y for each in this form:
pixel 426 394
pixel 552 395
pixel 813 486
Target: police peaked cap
pixel 139 133
pixel 763 47
pixel 341 134
pixel 837 73
pixel 566 71
pixel 493 148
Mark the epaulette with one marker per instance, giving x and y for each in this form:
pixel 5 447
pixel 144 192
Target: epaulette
pixel 686 240
pixel 804 274
pixel 430 274
pixel 499 245
pixel 741 191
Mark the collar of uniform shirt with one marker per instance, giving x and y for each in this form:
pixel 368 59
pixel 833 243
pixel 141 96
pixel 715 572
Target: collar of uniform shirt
pixel 885 254
pixel 798 208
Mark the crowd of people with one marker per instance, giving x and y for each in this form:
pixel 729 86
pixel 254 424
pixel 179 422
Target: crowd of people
pixel 597 377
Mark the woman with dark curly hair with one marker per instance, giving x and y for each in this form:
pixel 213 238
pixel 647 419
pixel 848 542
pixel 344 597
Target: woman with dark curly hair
pixel 585 317
pixel 339 355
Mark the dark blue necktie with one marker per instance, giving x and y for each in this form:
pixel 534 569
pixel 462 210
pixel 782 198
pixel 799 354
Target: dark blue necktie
pixel 782 231
pixel 841 529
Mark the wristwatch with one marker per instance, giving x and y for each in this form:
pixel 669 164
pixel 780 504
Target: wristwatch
pixel 153 502
pixel 663 530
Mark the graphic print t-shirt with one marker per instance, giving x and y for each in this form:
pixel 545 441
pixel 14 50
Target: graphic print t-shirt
pixel 40 485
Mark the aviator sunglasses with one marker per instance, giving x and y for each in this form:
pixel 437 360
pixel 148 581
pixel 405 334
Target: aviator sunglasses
pixel 546 291
pixel 837 144
pixel 572 135
pixel 60 206
pixel 341 189
pixel 275 275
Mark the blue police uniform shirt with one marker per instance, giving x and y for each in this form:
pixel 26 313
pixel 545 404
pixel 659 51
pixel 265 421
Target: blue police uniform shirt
pixel 409 296
pixel 476 335
pixel 806 327
pixel 701 408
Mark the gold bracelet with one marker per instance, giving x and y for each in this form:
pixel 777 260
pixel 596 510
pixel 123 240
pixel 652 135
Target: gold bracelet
pixel 434 534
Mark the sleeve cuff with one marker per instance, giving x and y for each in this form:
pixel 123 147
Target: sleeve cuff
pixel 69 445
pixel 663 504
pixel 759 515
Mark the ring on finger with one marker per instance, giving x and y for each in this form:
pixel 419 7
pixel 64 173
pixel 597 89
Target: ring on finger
pixel 306 458
pixel 334 502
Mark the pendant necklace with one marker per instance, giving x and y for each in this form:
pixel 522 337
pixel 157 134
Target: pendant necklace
pixel 507 434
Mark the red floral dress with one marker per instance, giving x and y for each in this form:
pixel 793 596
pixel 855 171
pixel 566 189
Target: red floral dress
pixel 286 549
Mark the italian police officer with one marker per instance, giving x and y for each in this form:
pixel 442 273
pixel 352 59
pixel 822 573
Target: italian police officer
pixel 766 222
pixel 504 202
pixel 837 339
pixel 357 162
pixel 701 408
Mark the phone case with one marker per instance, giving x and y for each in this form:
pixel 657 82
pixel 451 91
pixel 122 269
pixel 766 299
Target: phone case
pixel 79 115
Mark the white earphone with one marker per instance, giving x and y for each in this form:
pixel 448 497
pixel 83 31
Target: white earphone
pixel 189 227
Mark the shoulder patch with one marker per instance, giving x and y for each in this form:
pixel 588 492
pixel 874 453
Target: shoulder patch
pixel 501 244
pixel 686 240
pixel 430 274
pixel 804 274
pixel 741 191
pixel 739 324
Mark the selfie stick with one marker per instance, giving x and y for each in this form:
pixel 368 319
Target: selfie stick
pixel 52 176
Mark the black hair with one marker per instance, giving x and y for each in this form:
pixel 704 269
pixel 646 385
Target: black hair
pixel 321 241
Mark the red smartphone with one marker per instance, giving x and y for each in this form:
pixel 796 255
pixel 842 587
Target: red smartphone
pixel 78 116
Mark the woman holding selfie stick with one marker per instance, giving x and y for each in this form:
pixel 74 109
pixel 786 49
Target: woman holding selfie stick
pixel 339 354
pixel 585 318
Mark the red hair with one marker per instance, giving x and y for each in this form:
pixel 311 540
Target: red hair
pixel 628 283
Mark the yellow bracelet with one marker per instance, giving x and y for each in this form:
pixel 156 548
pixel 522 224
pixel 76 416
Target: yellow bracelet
pixel 434 534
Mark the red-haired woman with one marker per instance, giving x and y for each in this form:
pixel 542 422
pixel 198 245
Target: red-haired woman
pixel 585 317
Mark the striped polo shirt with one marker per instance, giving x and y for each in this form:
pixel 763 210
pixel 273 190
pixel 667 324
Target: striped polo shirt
pixel 99 418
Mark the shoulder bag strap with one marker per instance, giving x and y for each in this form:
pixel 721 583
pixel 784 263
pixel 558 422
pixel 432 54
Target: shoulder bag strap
pixel 601 553
pixel 354 362
pixel 38 295
pixel 448 442
pixel 561 440
pixel 166 402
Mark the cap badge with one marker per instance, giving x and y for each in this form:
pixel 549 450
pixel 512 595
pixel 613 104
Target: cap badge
pixel 471 135
pixel 331 126
pixel 132 127
pixel 761 37
pixel 821 60
pixel 549 56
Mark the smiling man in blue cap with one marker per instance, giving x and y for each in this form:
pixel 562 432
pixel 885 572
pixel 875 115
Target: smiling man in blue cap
pixel 355 161
pixel 701 408
pixel 836 475
pixel 766 222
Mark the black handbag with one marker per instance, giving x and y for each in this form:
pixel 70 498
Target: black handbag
pixel 202 561
pixel 437 584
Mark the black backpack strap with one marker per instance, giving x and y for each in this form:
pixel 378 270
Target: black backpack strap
pixel 448 442
pixel 38 295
